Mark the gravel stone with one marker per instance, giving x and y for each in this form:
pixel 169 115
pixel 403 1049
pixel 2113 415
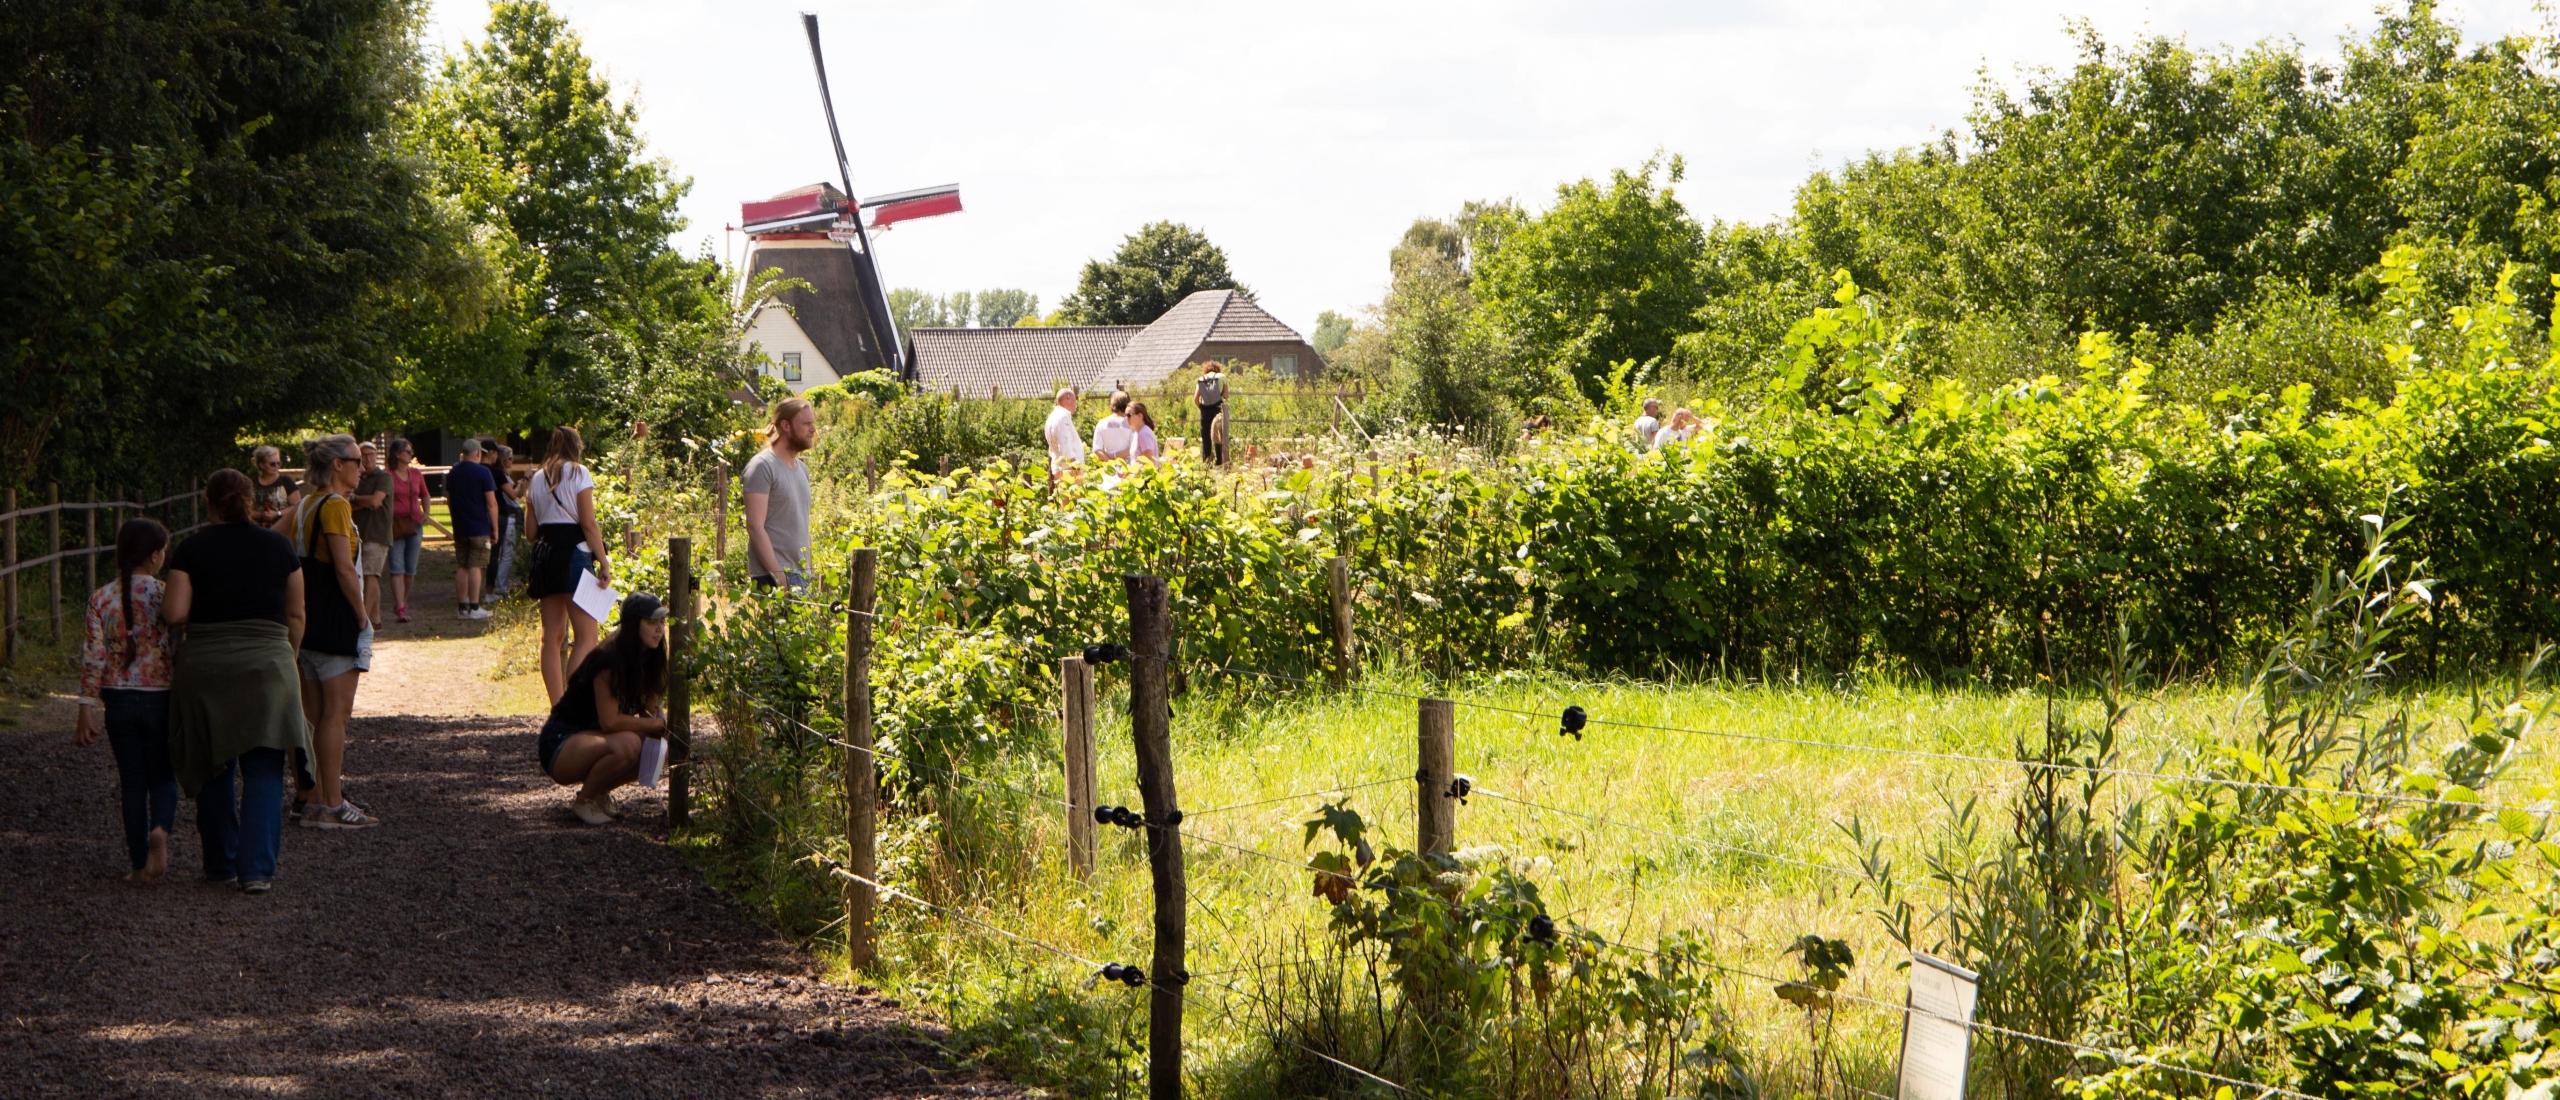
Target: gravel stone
pixel 481 942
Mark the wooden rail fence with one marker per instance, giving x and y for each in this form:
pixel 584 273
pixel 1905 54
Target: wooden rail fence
pixel 15 561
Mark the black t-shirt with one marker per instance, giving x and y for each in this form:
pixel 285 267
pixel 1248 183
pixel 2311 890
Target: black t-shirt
pixel 577 705
pixel 238 572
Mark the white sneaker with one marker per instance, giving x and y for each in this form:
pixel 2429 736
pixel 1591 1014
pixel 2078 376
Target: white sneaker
pixel 591 813
pixel 476 614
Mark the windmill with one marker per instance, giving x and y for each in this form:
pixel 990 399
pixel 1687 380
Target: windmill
pixel 821 235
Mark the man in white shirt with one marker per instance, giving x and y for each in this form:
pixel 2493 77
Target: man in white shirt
pixel 1066 445
pixel 1112 436
pixel 1648 425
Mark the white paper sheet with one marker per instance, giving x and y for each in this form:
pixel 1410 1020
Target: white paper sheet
pixel 653 760
pixel 1936 1038
pixel 594 597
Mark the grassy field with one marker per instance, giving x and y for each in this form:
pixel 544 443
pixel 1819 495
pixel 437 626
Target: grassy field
pixel 1744 840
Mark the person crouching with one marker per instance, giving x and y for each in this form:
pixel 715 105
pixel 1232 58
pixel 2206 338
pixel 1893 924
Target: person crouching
pixel 613 701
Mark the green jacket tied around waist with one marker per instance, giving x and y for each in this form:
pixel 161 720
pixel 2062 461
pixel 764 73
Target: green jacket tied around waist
pixel 233 688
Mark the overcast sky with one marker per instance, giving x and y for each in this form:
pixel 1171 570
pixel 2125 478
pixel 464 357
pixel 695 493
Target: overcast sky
pixel 1304 137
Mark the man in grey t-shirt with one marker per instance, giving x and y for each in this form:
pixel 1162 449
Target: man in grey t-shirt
pixel 777 491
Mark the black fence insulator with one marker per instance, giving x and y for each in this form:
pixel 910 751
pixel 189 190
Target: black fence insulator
pixel 1129 976
pixel 1121 816
pixel 693 583
pixel 1181 977
pixel 1574 719
pixel 1459 789
pixel 1542 928
pixel 1171 821
pixel 1104 653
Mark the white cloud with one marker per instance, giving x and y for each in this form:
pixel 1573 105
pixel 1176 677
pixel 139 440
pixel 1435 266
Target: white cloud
pixel 1304 138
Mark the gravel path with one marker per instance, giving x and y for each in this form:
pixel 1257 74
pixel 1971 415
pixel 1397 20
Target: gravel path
pixel 480 943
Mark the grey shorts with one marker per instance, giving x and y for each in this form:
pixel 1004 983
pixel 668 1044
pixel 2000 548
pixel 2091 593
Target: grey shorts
pixel 329 666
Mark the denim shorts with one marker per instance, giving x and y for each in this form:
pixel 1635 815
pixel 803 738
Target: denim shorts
pixel 329 666
pixel 546 748
pixel 404 556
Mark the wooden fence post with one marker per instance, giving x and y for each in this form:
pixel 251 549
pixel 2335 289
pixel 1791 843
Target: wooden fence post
pixel 9 592
pixel 89 539
pixel 1076 707
pixel 1435 810
pixel 1151 725
pixel 1346 659
pixel 946 465
pixel 871 471
pixel 679 688
pixel 53 542
pixel 720 512
pixel 861 764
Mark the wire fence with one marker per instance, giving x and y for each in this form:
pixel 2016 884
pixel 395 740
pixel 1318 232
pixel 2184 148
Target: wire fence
pixel 1573 721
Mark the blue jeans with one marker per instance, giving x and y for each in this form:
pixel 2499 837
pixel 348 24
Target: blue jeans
pixel 508 528
pixel 403 561
pixel 138 729
pixel 243 828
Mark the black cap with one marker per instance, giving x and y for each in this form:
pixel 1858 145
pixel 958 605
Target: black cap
pixel 641 606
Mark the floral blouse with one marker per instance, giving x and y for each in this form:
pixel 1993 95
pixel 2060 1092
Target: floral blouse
pixel 102 658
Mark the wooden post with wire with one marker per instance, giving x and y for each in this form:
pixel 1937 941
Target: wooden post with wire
pixel 1346 658
pixel 53 568
pixel 1435 810
pixel 679 690
pixel 871 471
pixel 1151 725
pixel 861 764
pixel 9 592
pixel 720 512
pixel 1076 744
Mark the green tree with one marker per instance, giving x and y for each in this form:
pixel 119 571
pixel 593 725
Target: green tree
pixel 1332 329
pixel 1609 274
pixel 915 309
pixel 1156 267
pixel 1005 308
pixel 207 234
pixel 555 163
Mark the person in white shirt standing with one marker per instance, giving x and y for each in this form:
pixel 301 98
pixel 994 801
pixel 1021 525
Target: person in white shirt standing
pixel 777 492
pixel 1112 435
pixel 1066 445
pixel 1648 425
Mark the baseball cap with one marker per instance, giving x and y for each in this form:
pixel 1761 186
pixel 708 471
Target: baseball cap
pixel 642 606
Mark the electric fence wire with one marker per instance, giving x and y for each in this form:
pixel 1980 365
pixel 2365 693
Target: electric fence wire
pixel 1700 841
pixel 1299 797
pixel 839 870
pixel 2538 810
pixel 2119 1056
pixel 2123 1057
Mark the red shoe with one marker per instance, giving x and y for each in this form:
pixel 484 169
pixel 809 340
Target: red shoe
pixel 400 614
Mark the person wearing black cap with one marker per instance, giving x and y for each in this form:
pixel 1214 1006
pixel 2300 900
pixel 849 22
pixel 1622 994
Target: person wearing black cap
pixel 614 700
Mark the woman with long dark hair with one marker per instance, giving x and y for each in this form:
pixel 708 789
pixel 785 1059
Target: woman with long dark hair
pixel 567 542
pixel 124 671
pixel 593 738
pixel 233 709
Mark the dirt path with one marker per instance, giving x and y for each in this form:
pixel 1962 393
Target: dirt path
pixel 481 942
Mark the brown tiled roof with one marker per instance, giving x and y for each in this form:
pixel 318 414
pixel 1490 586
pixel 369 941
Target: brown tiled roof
pixel 1163 347
pixel 1240 321
pixel 1022 362
pixel 1092 358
